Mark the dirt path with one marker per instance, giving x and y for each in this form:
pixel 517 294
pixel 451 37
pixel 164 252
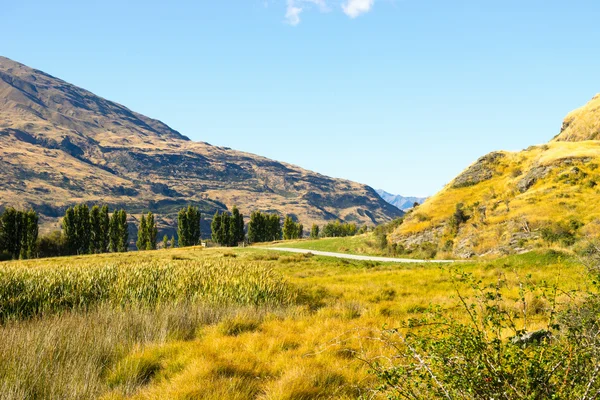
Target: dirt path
pixel 354 256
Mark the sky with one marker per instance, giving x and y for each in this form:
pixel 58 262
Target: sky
pixel 401 95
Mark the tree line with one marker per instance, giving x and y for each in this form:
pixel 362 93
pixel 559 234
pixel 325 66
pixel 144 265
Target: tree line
pixel 86 231
pixel 96 230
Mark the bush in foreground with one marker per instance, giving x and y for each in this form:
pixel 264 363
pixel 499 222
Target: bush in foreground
pixel 522 350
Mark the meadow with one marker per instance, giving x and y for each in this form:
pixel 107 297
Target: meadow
pixel 229 323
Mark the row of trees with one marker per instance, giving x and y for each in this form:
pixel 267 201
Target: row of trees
pixel 339 229
pixel 18 233
pixel 292 229
pixel 228 229
pixel 264 227
pixel 93 231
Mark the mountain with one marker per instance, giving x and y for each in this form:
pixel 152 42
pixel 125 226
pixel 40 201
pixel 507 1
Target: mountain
pixel 401 202
pixel 61 145
pixel 516 201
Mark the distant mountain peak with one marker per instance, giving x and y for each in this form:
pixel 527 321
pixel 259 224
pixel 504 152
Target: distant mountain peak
pixel 400 202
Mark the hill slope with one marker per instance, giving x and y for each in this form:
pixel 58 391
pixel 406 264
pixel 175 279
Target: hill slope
pixel 60 144
pixel 514 201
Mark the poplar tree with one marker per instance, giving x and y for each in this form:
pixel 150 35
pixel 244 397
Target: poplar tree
pixel 104 229
pixel 274 228
pixel 118 232
pixel 165 242
pixel 123 232
pixel 83 228
pixel 289 228
pixel 292 229
pixel 151 232
pixel 215 228
pixel 236 227
pixel 182 228
pixel 10 231
pixel 96 231
pixel 18 233
pixel 314 231
pixel 70 231
pixel 31 236
pixel 142 237
pixel 264 227
pixel 188 226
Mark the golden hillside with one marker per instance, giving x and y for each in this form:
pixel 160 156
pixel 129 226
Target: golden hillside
pixel 60 145
pixel 582 124
pixel 515 201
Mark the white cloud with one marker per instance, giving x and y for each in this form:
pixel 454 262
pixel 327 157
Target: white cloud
pixel 353 8
pixel 296 7
pixel 292 15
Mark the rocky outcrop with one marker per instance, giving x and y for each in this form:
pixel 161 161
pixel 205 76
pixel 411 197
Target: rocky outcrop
pixel 482 170
pixel 532 177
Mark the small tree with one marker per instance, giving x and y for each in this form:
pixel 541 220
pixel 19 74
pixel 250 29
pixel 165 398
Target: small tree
pixel 314 231
pixel 165 241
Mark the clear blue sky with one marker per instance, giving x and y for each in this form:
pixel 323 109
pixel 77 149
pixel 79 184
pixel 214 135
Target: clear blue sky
pixel 400 95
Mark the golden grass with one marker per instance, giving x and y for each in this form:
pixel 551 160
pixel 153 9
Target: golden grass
pixel 301 351
pixel 560 196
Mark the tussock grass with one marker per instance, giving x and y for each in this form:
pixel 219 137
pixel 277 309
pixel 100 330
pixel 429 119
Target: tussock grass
pixel 28 290
pixel 83 355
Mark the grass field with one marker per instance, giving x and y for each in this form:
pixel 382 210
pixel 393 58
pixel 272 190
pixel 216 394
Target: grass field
pixel 359 244
pixel 301 341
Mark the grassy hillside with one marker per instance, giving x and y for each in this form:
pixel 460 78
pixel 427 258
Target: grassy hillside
pixel 303 343
pixel 514 201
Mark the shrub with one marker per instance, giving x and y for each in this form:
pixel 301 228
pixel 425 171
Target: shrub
pixel 437 356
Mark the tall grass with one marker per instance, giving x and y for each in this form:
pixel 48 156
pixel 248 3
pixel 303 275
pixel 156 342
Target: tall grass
pixel 79 355
pixel 27 290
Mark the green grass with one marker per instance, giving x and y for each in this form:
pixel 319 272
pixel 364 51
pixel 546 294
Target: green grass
pixel 360 244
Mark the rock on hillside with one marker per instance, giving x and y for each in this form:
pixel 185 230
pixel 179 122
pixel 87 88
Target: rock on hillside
pixel 60 145
pixel 516 201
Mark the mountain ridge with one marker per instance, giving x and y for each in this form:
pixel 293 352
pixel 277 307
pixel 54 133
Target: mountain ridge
pixel 60 145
